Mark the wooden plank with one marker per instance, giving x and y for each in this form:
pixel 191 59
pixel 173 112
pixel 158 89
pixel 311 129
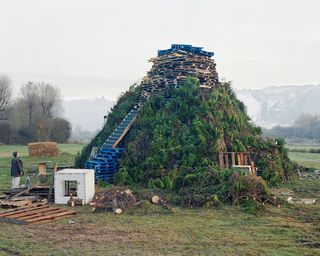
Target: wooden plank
pixel 239 159
pixel 233 158
pixel 18 210
pixel 245 159
pixel 42 168
pixel 40 214
pixel 227 160
pixel 221 162
pixel 55 169
pixel 30 213
pixel 252 168
pixel 52 216
pixel 49 220
pixel 34 215
pixel 124 132
pixel 17 203
pixel 14 210
pixel 20 193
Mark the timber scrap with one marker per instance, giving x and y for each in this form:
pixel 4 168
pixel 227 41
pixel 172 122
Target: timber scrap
pixel 35 214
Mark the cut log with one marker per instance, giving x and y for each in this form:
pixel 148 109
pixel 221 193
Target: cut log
pixel 153 198
pixel 117 211
pixel 72 202
pixel 115 208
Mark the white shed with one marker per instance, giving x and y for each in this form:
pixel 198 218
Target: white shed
pixel 76 182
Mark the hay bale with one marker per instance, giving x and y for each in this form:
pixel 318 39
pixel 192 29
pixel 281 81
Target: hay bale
pixel 39 149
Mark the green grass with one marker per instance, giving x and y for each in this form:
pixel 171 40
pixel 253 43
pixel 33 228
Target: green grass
pixel 306 159
pixel 149 230
pixel 68 152
pixel 222 231
pixel 302 147
pixel 6 151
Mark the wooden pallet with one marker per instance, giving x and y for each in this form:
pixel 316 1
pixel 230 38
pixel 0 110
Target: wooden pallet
pixel 35 214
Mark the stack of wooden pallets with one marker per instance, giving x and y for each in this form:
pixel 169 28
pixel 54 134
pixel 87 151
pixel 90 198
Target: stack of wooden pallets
pixel 105 163
pixel 172 67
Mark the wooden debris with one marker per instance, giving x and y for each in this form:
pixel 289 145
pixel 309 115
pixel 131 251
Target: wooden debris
pixel 24 191
pixel 38 190
pixel 236 159
pixel 116 199
pixel 72 202
pixel 307 201
pixel 171 68
pixel 21 201
pixel 35 214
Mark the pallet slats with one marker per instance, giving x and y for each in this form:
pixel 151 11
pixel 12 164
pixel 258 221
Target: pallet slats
pixel 237 159
pixel 35 214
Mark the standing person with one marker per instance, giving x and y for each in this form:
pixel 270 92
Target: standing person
pixel 16 170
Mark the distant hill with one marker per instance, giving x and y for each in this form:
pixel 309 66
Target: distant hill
pixel 87 114
pixel 281 105
pixel 267 107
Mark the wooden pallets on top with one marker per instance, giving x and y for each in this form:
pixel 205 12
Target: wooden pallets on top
pixel 35 214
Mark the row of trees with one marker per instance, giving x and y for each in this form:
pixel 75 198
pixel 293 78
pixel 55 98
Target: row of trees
pixel 306 126
pixel 33 115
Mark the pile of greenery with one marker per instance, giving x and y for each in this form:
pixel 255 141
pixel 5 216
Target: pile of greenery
pixel 173 146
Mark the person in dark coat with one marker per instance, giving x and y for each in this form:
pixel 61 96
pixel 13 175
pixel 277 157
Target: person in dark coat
pixel 16 170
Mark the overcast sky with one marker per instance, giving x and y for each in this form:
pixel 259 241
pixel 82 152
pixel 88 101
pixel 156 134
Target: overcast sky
pixel 100 47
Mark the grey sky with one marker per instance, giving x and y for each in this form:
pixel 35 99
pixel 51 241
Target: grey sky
pixel 95 47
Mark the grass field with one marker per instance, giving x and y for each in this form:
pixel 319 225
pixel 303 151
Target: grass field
pixel 68 152
pixel 302 147
pixel 306 159
pixel 149 230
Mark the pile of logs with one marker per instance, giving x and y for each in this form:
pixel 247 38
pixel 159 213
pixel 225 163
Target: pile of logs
pixel 116 199
pixel 119 199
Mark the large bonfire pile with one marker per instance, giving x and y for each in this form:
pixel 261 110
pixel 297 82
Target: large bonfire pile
pixel 175 141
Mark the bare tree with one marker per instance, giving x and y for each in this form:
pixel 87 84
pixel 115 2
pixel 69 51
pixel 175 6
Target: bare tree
pixel 5 96
pixel 30 98
pixel 49 99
